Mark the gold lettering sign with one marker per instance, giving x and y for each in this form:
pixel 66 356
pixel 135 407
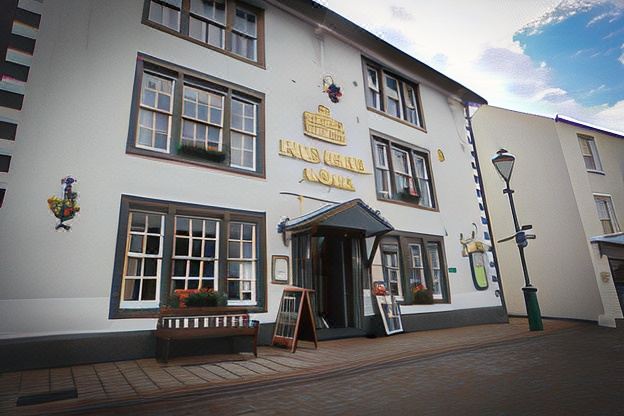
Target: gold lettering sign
pixel 337 160
pixel 298 151
pixel 321 126
pixel 326 178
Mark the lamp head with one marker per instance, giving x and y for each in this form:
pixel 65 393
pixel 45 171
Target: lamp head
pixel 503 162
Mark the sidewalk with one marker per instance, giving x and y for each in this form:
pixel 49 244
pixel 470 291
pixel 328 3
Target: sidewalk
pixel 142 380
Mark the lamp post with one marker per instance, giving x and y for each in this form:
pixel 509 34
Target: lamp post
pixel 503 162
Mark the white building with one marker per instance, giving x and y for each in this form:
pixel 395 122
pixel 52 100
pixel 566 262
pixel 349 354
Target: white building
pixel 569 185
pixel 194 129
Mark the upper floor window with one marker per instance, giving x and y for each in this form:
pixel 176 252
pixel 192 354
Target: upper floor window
pixel 393 95
pixel 227 25
pixel 606 214
pixel 590 153
pixel 402 173
pixel 185 116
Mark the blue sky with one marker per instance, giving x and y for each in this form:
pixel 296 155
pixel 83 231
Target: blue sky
pixel 584 52
pixel 544 57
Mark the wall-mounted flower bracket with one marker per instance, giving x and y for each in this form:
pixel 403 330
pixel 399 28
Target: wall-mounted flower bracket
pixel 331 89
pixel 65 208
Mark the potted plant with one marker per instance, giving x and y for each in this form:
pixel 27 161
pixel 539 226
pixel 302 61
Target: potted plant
pixel 206 298
pixel 421 295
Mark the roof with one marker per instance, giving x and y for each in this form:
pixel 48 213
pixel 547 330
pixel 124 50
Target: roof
pixel 578 123
pixel 354 214
pixel 333 22
pixel 616 239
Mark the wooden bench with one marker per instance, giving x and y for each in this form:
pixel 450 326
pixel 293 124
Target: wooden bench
pixel 196 327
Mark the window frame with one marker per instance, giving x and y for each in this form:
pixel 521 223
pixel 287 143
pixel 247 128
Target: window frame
pixel 615 225
pixel 593 153
pixel 392 248
pixel 228 26
pixel 403 83
pixel 413 152
pixel 170 210
pixel 404 240
pixel 190 78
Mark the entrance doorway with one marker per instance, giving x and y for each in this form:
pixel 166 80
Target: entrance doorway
pixel 617 272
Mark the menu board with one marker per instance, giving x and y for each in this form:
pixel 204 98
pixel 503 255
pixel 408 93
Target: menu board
pixel 390 314
pixel 295 320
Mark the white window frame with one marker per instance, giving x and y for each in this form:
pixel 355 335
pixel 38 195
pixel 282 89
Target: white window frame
pixel 414 264
pixel 411 104
pixel 166 4
pixel 189 257
pixel 383 166
pixel 396 251
pixel 208 21
pixel 373 87
pixel 408 174
pixel 142 304
pixel 429 245
pixel 208 123
pixel 387 96
pixel 245 34
pixel 251 134
pixel 155 110
pixel 593 153
pixel 241 259
pixel 422 180
pixel 608 200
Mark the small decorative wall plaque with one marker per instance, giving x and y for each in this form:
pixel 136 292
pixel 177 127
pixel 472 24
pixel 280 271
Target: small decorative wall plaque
pixel 66 207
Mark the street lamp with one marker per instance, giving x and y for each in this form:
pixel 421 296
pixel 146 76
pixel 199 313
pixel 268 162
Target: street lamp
pixel 503 162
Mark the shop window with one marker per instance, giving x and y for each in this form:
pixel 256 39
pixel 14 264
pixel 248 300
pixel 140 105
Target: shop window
pixel 590 153
pixel 478 267
pixel 169 246
pixel 409 262
pixel 181 115
pixel 402 173
pixel 606 214
pixel 392 95
pixel 229 26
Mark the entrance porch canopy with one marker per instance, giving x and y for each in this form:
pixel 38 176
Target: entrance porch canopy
pixel 353 215
pixel 610 245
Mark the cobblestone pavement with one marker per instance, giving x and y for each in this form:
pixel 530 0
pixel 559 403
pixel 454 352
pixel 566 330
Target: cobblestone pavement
pixel 431 372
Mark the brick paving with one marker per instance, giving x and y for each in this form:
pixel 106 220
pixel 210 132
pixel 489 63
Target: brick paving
pixel 138 381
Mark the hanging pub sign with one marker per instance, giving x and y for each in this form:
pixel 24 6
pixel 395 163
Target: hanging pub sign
pixel 295 320
pixel 321 126
pixel 66 207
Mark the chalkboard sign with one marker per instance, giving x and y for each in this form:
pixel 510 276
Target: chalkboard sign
pixel 390 314
pixel 294 319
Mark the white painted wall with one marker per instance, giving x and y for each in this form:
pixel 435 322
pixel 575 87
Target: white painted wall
pixel 553 193
pixel 76 117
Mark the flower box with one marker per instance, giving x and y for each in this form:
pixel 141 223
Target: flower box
pixel 211 154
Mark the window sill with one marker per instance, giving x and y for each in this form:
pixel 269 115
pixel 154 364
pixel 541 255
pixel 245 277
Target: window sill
pixel 400 120
pixel 259 63
pixel 209 310
pixel 188 161
pixel 599 172
pixel 407 204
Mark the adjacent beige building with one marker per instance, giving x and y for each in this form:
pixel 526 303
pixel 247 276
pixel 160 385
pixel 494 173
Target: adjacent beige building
pixel 569 184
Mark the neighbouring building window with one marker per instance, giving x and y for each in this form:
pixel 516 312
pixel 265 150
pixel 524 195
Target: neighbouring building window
pixel 169 246
pixel 402 173
pixel 590 153
pixel 408 260
pixel 229 26
pixel 606 214
pixel 394 96
pixel 181 115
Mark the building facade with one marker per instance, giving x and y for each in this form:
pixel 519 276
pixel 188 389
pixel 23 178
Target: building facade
pixel 186 144
pixel 569 185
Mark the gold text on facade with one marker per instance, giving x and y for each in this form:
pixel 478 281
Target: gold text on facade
pixel 309 154
pixel 321 126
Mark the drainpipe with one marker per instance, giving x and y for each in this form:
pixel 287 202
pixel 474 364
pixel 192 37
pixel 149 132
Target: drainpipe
pixel 485 205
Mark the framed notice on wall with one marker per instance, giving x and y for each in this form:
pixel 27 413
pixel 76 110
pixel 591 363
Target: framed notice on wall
pixel 280 270
pixel 390 314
